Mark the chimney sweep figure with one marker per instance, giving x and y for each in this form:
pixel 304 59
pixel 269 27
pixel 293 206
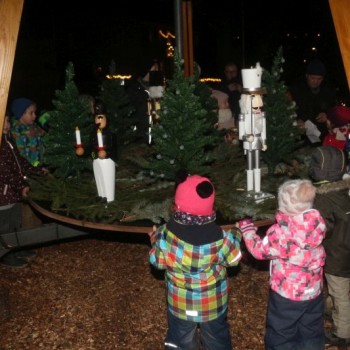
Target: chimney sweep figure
pixel 104 165
pixel 103 158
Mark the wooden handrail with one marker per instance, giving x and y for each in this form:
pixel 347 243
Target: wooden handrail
pixel 113 227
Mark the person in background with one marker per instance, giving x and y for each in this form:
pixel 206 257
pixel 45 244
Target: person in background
pixel 328 168
pixel 91 102
pixel 225 116
pixel 13 188
pixel 27 134
pixel 294 246
pixel 195 252
pixel 231 84
pixel 313 98
pixel 339 131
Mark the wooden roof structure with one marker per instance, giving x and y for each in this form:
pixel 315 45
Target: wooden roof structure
pixel 10 19
pixel 340 10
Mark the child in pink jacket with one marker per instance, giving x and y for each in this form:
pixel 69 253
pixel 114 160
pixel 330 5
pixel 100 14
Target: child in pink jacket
pixel 294 246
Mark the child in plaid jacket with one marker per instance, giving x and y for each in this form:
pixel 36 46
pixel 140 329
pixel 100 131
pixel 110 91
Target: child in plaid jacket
pixel 195 252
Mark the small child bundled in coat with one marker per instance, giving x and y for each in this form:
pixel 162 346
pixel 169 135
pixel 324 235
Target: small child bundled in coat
pixel 294 246
pixel 14 170
pixel 27 134
pixel 195 252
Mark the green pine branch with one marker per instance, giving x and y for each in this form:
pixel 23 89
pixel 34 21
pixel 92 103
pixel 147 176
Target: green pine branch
pixel 120 113
pixel 282 132
pixel 185 135
pixel 70 112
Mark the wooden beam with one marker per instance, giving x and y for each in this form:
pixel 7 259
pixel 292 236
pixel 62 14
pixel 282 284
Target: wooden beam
pixel 178 26
pixel 115 227
pixel 187 35
pixel 10 19
pixel 190 38
pixel 340 10
pixel 185 38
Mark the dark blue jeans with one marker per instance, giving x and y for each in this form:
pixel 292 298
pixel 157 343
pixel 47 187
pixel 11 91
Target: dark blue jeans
pixel 294 325
pixel 213 335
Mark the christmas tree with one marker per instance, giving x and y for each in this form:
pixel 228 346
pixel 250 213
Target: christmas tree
pixel 121 120
pixel 71 111
pixel 185 135
pixel 184 138
pixel 282 131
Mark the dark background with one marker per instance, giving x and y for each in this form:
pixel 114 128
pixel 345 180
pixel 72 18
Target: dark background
pixel 91 35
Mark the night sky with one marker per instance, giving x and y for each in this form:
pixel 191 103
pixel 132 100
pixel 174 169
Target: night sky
pixel 53 33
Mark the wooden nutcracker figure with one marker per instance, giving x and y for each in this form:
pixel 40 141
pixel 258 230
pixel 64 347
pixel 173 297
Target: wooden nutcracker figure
pixel 252 128
pixel 155 93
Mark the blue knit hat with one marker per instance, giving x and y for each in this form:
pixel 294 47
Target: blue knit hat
pixel 19 106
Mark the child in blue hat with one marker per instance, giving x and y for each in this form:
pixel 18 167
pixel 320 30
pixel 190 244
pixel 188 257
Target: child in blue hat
pixel 27 134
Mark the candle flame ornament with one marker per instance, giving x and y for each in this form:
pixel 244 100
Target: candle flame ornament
pixel 99 138
pixel 104 166
pixel 79 149
pixel 77 136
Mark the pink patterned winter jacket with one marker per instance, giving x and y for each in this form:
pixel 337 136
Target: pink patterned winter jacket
pixel 294 246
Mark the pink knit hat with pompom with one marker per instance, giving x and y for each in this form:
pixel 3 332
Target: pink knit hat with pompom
pixel 195 196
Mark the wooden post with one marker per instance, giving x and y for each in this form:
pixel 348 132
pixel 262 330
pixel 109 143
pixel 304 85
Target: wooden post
pixel 340 10
pixel 178 26
pixel 10 19
pixel 187 37
pixel 190 38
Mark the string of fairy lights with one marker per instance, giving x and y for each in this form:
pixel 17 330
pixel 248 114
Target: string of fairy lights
pixel 170 50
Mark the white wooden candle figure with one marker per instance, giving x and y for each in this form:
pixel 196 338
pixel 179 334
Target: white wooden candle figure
pixel 104 165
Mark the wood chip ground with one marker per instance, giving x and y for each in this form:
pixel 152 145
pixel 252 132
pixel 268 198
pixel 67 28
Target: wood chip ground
pixel 100 293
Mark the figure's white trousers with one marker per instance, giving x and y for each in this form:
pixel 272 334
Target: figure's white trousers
pixel 104 171
pixel 253 180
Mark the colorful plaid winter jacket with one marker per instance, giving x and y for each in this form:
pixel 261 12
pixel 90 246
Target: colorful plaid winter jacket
pixel 294 246
pixel 29 141
pixel 195 274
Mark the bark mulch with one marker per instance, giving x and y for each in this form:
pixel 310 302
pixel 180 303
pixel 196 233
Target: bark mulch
pixel 100 293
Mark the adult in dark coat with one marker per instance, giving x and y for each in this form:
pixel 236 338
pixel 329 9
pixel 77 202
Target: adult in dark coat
pixel 231 84
pixel 328 166
pixel 313 100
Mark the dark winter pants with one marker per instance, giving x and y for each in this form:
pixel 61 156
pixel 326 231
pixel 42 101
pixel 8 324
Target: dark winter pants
pixel 214 335
pixel 10 218
pixel 294 325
